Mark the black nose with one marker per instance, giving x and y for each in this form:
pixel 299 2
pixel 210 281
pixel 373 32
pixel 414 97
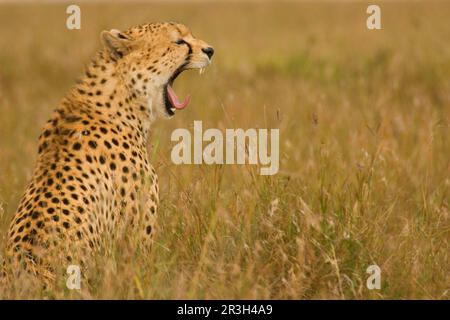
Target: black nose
pixel 209 51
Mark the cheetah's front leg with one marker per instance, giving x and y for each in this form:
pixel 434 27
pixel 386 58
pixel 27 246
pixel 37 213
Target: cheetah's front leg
pixel 148 205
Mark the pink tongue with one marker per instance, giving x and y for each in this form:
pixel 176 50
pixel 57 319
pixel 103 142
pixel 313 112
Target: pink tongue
pixel 174 99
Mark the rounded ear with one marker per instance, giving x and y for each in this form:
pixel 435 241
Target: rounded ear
pixel 116 42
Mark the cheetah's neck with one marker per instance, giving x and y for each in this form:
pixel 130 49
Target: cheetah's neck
pixel 102 93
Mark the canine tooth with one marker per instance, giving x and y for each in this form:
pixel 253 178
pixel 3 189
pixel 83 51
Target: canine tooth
pixel 201 70
pixel 172 109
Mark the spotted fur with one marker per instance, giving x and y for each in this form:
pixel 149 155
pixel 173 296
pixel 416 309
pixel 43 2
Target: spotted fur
pixel 93 182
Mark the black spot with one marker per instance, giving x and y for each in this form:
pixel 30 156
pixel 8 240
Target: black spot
pixel 35 215
pixel 77 146
pixel 72 118
pixel 93 144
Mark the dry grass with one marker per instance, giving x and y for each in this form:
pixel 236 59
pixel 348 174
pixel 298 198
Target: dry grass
pixel 364 130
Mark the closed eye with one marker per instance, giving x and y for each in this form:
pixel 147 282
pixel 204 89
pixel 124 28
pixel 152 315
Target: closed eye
pixel 180 42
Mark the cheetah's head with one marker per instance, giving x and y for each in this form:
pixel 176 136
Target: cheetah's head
pixel 150 57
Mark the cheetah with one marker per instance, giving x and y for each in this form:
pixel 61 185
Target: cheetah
pixel 93 181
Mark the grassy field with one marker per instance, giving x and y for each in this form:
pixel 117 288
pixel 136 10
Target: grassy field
pixel 364 149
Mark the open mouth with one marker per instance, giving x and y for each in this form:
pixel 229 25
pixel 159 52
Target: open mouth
pixel 171 100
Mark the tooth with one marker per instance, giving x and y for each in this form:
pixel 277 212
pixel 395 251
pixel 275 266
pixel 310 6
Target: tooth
pixel 172 109
pixel 201 70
